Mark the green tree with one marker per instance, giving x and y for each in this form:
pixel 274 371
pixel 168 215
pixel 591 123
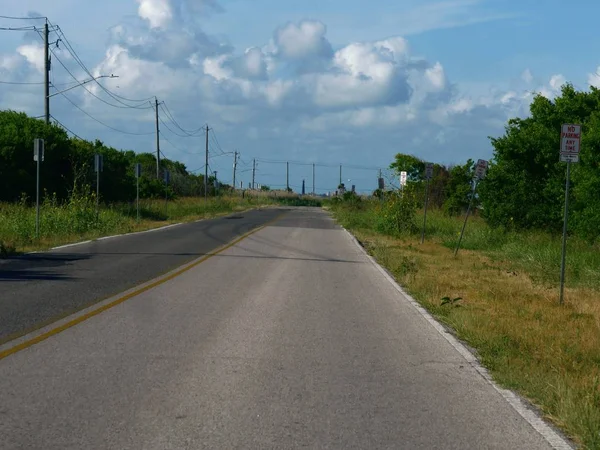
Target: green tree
pixel 413 166
pixel 459 188
pixel 525 186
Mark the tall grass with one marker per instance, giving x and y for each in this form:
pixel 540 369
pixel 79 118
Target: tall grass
pixel 77 219
pixel 536 252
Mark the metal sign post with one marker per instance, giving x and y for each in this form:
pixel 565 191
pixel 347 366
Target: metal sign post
pixel 38 157
pixel 428 176
pixel 480 173
pixel 570 142
pixel 167 176
pixel 138 174
pixel 98 167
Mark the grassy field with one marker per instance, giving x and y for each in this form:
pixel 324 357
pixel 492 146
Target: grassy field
pixel 509 312
pixel 77 220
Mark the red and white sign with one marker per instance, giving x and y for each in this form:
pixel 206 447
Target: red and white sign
pixel 570 142
pixel 481 169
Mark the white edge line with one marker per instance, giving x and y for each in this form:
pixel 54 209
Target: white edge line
pixel 104 238
pixel 552 437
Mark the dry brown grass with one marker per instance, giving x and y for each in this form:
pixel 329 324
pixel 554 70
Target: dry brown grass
pixel 548 353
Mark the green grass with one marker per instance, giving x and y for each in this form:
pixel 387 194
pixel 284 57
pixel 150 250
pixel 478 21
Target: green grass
pixel 77 220
pixel 509 311
pixel 536 252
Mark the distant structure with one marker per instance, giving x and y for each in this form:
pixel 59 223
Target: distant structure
pixel 303 188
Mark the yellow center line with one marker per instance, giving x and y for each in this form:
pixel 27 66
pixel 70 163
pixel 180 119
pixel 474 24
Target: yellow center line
pixel 42 337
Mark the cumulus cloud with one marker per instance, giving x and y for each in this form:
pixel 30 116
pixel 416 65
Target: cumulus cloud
pixel 304 40
pixel 157 12
pixel 284 93
pixel 594 78
pixel 34 54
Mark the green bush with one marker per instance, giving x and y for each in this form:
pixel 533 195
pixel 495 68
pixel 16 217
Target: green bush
pixel 397 215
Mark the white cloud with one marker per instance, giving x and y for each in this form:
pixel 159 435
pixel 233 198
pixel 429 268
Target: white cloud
pixel 594 78
pixel 556 82
pixel 304 40
pixel 527 76
pixel 34 54
pixel 157 12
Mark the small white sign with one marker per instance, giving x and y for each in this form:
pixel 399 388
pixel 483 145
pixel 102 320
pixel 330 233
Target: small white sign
pixel 38 149
pixel 570 142
pixel 481 169
pixel 403 178
pixel 428 171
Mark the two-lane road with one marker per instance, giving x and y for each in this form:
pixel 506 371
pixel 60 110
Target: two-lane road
pixel 291 338
pixel 40 287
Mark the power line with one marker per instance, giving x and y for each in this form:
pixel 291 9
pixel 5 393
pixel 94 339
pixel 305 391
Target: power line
pixel 23 18
pixel 171 130
pixel 62 125
pixel 93 79
pixel 116 97
pixel 20 83
pixel 30 28
pixel 91 93
pixel 178 148
pixel 102 123
pixel 167 111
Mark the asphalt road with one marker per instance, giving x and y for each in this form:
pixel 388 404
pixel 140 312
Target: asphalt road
pixel 38 288
pixel 289 339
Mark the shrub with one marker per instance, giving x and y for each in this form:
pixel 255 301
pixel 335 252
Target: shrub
pixel 398 212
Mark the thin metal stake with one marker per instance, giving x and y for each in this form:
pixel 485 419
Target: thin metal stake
pixel 37 197
pixel 138 199
pixel 466 218
pixel 425 218
pixel 564 241
pixel 97 191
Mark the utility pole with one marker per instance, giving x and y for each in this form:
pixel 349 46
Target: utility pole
pixel 340 175
pixel 47 72
pixel 206 169
pixel 157 140
pixel 287 176
pixel 216 184
pixel 313 179
pixel 234 167
pixel 253 171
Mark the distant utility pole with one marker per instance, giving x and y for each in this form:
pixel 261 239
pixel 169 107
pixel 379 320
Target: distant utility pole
pixel 216 183
pixel 303 187
pixel 206 168
pixel 253 171
pixel 313 179
pixel 47 72
pixel 287 175
pixel 157 140
pixel 340 175
pixel 234 167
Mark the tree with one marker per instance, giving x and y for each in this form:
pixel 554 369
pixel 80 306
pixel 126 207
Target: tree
pixel 459 188
pixel 525 186
pixel 413 166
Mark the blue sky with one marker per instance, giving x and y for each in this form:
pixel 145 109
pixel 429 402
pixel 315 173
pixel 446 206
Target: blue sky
pixel 330 82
